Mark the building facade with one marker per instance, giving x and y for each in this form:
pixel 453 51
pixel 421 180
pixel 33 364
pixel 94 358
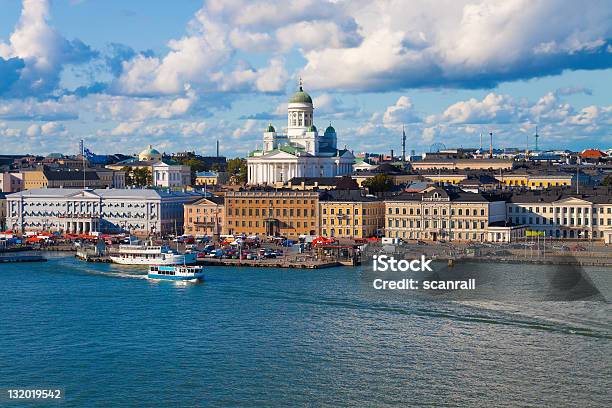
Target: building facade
pixel 137 211
pixel 350 214
pixel 45 177
pixel 463 164
pixel 285 213
pixel 170 175
pixel 300 151
pixel 563 214
pixel 442 214
pixel 11 182
pixel 205 217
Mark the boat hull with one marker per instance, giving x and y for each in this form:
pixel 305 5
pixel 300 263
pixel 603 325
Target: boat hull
pixel 194 278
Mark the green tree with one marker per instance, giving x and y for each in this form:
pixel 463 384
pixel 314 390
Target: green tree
pixel 607 181
pixel 378 183
pixel 138 177
pixel 237 169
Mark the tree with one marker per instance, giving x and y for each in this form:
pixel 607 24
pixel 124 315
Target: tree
pixel 378 183
pixel 607 181
pixel 139 177
pixel 237 168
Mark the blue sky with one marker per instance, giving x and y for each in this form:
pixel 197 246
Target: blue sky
pixel 179 75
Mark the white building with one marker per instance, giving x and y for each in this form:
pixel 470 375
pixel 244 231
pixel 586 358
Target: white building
pixel 171 175
pixel 138 211
pixel 299 152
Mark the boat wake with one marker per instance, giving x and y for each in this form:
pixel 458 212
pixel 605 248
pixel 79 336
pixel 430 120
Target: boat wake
pixel 124 275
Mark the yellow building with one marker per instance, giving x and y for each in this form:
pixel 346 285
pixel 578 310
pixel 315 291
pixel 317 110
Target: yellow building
pixel 285 213
pixel 211 178
pixel 535 181
pixel 34 179
pixel 445 178
pixel 349 214
pixel 205 217
pixel 74 178
pixel 442 213
pixel 529 180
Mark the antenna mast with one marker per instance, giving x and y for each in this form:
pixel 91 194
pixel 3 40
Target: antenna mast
pixel 82 148
pixel 536 139
pixel 403 144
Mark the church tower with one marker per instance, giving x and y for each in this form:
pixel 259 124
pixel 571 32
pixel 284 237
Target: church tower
pixel 299 113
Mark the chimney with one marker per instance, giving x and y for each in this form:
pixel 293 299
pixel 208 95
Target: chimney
pixel 391 154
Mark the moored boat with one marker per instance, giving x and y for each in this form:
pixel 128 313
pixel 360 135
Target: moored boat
pixel 176 273
pixel 150 255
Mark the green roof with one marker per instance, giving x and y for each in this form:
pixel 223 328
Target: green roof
pixel 253 153
pixel 330 129
pixel 312 128
pixel 300 97
pixel 150 151
pixel 270 128
pixel 290 149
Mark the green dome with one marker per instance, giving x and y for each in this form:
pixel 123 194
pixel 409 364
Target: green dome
pixel 312 128
pixel 330 129
pixel 300 97
pixel 270 128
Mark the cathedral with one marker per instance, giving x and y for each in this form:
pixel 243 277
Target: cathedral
pixel 300 151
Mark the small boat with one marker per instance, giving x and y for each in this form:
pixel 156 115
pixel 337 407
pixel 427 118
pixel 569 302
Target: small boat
pixel 150 255
pixel 176 273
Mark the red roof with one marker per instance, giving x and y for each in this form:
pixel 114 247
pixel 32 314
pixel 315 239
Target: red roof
pixel 592 154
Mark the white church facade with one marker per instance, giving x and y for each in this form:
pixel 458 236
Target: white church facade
pixel 301 151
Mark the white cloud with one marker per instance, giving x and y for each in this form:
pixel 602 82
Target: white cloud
pixel 492 109
pixel 42 49
pixel 135 109
pixel 248 128
pixel 401 113
pixel 64 108
pixel 462 44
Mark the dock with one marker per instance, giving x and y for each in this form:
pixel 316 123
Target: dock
pixel 22 258
pixel 271 263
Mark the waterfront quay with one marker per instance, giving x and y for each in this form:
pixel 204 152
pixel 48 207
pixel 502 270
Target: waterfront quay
pixel 21 258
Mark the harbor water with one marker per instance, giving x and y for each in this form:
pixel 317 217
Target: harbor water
pixel 262 337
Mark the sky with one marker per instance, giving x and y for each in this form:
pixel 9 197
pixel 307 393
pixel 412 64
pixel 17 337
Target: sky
pixel 123 74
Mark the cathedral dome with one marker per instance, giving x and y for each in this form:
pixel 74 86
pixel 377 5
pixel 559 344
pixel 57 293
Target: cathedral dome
pixel 270 128
pixel 149 154
pixel 300 97
pixel 312 128
pixel 330 129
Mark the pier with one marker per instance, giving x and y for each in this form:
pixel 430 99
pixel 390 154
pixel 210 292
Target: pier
pixel 271 263
pixel 22 258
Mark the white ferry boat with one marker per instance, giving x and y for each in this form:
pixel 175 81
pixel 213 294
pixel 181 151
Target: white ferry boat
pixel 176 273
pixel 150 255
